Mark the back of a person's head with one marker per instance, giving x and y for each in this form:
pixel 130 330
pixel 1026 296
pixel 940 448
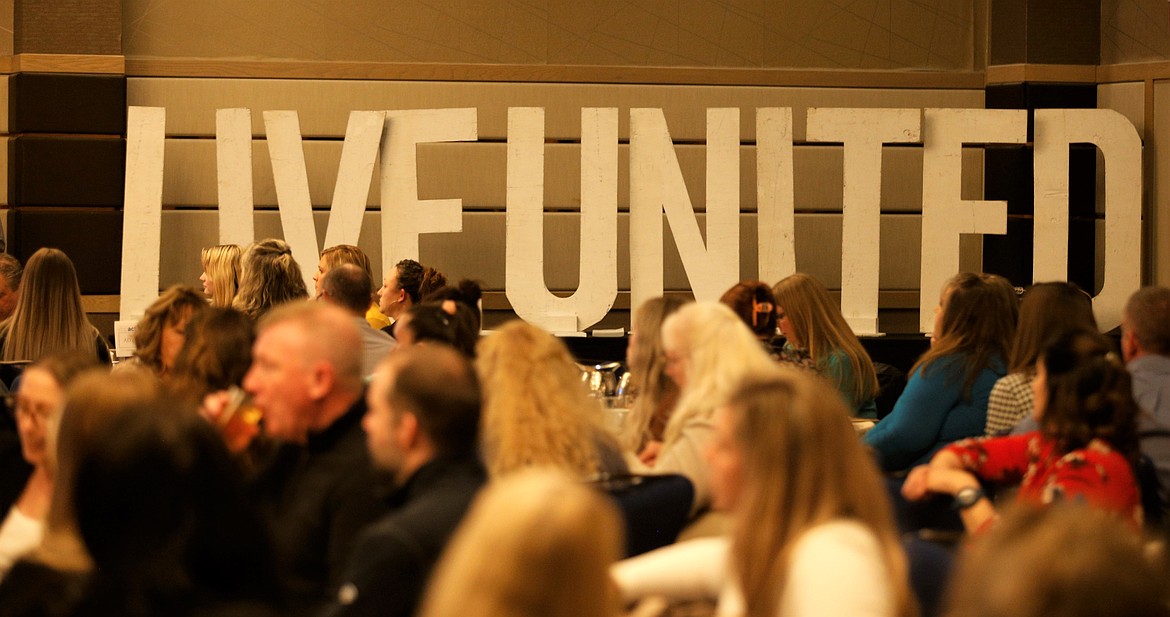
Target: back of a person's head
pixel 754 303
pixel 1066 560
pixel 269 276
pixel 979 314
pixel 439 386
pixel 349 287
pixel 432 280
pixel 448 322
pixel 979 310
pixel 222 264
pixel 536 408
pixel 328 334
pixel 93 399
pixel 718 349
pixel 802 466
pixel 1089 394
pixel 216 354
pixel 336 256
pixel 48 316
pixel 1147 316
pixel 467 293
pixel 535 544
pixel 1047 312
pixel 161 506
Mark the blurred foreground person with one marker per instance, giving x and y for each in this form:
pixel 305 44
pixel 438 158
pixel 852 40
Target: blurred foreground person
pixel 1068 561
pixel 535 544
pixel 421 427
pixel 813 533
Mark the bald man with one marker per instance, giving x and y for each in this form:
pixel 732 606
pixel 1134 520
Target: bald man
pixel 318 487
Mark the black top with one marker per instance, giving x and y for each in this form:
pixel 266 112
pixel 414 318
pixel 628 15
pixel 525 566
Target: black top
pixel 32 589
pixel 393 557
pixel 317 497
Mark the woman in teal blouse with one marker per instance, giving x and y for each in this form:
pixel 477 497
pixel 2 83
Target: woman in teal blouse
pixel 812 322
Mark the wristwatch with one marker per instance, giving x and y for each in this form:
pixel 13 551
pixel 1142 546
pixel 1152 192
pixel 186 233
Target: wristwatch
pixel 967 497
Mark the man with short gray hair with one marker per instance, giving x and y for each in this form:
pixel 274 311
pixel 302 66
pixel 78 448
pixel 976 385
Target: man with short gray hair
pixel 1145 344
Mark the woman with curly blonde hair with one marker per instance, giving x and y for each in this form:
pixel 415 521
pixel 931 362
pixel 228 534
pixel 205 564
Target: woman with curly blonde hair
pixel 269 276
pixel 535 544
pixel 707 349
pixel 221 273
pixel 811 321
pixel 536 409
pixel 655 394
pixel 812 533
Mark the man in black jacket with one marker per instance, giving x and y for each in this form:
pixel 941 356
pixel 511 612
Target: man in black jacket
pixel 422 427
pixel 317 489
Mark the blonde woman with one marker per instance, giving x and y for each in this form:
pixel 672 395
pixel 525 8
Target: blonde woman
pixel 269 276
pixel 536 410
pixel 535 544
pixel 221 273
pixel 707 349
pixel 342 254
pixel 655 393
pixel 812 531
pixel 49 317
pixel 812 322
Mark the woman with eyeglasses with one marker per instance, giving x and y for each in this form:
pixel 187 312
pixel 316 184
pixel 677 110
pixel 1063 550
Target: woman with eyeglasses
pixel 34 408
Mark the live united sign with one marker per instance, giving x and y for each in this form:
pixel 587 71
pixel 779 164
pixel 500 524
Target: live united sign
pixel 656 186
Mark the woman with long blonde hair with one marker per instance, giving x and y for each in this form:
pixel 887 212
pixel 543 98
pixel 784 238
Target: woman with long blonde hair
pixel 536 410
pixel 811 321
pixel 221 273
pixel 655 394
pixel 49 317
pixel 535 544
pixel 707 349
pixel 269 276
pixel 945 399
pixel 812 532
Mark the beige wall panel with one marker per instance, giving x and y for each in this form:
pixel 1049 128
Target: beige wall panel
pixel 1128 99
pixel 4 93
pixel 1157 207
pixel 477 174
pixel 1134 31
pixel 478 251
pixel 324 105
pixel 7 40
pixel 4 176
pixel 722 33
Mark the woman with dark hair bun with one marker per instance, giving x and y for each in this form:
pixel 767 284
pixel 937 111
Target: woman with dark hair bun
pixel 756 306
pixel 1084 451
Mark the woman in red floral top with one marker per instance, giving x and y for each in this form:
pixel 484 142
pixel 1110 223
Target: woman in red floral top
pixel 1084 451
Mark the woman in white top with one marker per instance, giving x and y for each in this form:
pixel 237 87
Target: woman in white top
pixel 707 349
pixel 813 533
pixel 35 406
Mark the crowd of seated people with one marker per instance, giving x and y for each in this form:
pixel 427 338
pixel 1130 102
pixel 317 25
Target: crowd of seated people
pixel 278 453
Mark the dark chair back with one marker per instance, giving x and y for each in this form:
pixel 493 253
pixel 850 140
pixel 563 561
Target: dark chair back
pixel 655 508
